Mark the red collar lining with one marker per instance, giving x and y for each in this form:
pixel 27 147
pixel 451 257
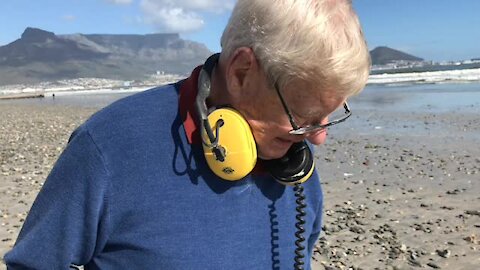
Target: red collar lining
pixel 188 94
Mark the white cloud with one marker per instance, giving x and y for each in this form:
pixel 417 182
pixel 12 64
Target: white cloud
pixel 174 20
pixel 120 2
pixel 181 15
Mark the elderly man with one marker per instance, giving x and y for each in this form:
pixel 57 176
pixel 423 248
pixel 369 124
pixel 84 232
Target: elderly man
pixel 153 182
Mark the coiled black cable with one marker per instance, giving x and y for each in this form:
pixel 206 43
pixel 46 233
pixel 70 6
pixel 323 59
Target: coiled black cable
pixel 301 205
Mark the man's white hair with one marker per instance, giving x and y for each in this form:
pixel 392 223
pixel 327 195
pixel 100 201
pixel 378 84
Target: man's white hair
pixel 319 41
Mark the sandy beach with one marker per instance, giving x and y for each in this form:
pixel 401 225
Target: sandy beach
pixel 31 139
pixel 402 199
pixel 401 188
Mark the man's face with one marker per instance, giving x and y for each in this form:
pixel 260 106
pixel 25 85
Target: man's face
pixel 268 119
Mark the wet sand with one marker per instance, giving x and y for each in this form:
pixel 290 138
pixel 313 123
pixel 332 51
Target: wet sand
pixel 401 189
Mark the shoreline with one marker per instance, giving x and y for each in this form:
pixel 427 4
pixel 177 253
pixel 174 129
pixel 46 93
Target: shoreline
pixel 22 96
pixel 463 76
pixel 427 77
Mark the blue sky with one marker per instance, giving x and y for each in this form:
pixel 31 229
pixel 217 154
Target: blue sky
pixel 432 29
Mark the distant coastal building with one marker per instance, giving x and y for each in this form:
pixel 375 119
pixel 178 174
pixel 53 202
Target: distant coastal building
pixel 401 64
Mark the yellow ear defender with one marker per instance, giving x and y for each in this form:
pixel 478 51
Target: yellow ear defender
pixel 233 153
pixel 228 142
pixel 229 146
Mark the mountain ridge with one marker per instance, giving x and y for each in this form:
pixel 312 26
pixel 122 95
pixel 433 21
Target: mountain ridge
pixel 383 55
pixel 40 55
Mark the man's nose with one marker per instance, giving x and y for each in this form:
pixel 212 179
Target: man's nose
pixel 318 137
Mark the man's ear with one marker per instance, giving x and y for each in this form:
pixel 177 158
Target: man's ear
pixel 240 68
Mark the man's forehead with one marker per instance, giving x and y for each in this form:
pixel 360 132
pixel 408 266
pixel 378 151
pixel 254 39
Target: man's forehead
pixel 309 100
pixel 311 96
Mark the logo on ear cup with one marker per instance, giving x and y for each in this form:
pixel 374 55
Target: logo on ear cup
pixel 228 170
pixel 236 138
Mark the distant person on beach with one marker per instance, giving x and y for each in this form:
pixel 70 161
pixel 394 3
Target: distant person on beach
pixel 214 171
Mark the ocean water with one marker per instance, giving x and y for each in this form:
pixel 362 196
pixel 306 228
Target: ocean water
pixel 431 98
pixel 447 111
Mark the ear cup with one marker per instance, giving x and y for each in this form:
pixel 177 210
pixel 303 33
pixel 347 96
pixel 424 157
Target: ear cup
pixel 295 167
pixel 236 140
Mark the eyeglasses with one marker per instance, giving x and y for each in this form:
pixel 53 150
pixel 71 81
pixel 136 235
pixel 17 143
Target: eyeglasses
pixel 297 130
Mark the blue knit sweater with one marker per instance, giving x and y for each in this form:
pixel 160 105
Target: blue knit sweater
pixel 130 192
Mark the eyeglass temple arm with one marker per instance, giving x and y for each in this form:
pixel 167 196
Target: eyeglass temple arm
pixel 347 112
pixel 284 104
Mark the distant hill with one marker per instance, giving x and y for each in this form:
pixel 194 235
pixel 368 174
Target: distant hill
pixel 385 55
pixel 40 55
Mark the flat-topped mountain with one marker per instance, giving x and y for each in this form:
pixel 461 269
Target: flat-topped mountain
pixel 40 55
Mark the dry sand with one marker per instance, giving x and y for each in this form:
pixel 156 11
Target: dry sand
pixel 402 190
pixel 31 139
